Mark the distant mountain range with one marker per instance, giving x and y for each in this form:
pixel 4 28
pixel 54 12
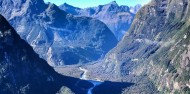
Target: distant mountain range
pixel 56 36
pixel 117 18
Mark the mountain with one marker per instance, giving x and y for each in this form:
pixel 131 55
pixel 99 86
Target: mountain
pixel 117 18
pixel 156 47
pixel 135 9
pixel 23 72
pixel 58 37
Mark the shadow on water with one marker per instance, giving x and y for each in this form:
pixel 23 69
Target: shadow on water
pixel 78 86
pixel 83 84
pixel 109 87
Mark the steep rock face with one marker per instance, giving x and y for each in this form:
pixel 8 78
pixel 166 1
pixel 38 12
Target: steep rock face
pixel 117 18
pixel 23 72
pixel 56 36
pixel 156 46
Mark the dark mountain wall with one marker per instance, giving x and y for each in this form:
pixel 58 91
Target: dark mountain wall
pixel 23 72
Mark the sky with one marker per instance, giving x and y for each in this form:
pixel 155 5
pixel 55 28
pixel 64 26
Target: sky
pixel 93 3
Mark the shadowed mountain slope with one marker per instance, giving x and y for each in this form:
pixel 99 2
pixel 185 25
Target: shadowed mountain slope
pixel 23 72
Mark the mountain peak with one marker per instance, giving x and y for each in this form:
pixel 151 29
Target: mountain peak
pixel 65 4
pixel 135 8
pixel 68 6
pixel 105 14
pixel 113 3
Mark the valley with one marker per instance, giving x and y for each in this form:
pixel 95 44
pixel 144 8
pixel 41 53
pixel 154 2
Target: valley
pixel 103 49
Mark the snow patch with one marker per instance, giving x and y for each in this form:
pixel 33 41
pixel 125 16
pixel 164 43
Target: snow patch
pixel 188 85
pixel 135 60
pixel 146 41
pixel 185 36
pixel 132 10
pixel 181 3
pixel 139 40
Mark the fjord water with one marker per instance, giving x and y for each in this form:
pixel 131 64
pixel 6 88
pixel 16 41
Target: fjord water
pixel 94 82
pixel 104 87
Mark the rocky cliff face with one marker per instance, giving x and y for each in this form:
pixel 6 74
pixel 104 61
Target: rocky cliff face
pixel 56 36
pixel 117 18
pixel 23 72
pixel 156 46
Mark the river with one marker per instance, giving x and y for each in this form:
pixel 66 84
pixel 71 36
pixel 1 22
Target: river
pixel 94 82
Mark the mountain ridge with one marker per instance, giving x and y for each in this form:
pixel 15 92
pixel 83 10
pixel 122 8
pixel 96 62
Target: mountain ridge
pixel 62 34
pixel 117 18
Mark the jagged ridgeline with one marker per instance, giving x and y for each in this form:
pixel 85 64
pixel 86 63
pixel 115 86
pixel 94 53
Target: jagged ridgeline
pixel 56 36
pixel 117 18
pixel 156 46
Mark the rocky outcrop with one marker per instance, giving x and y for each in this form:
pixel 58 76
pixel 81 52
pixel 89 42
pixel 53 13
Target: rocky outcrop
pixel 23 72
pixel 56 36
pixel 156 46
pixel 117 18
